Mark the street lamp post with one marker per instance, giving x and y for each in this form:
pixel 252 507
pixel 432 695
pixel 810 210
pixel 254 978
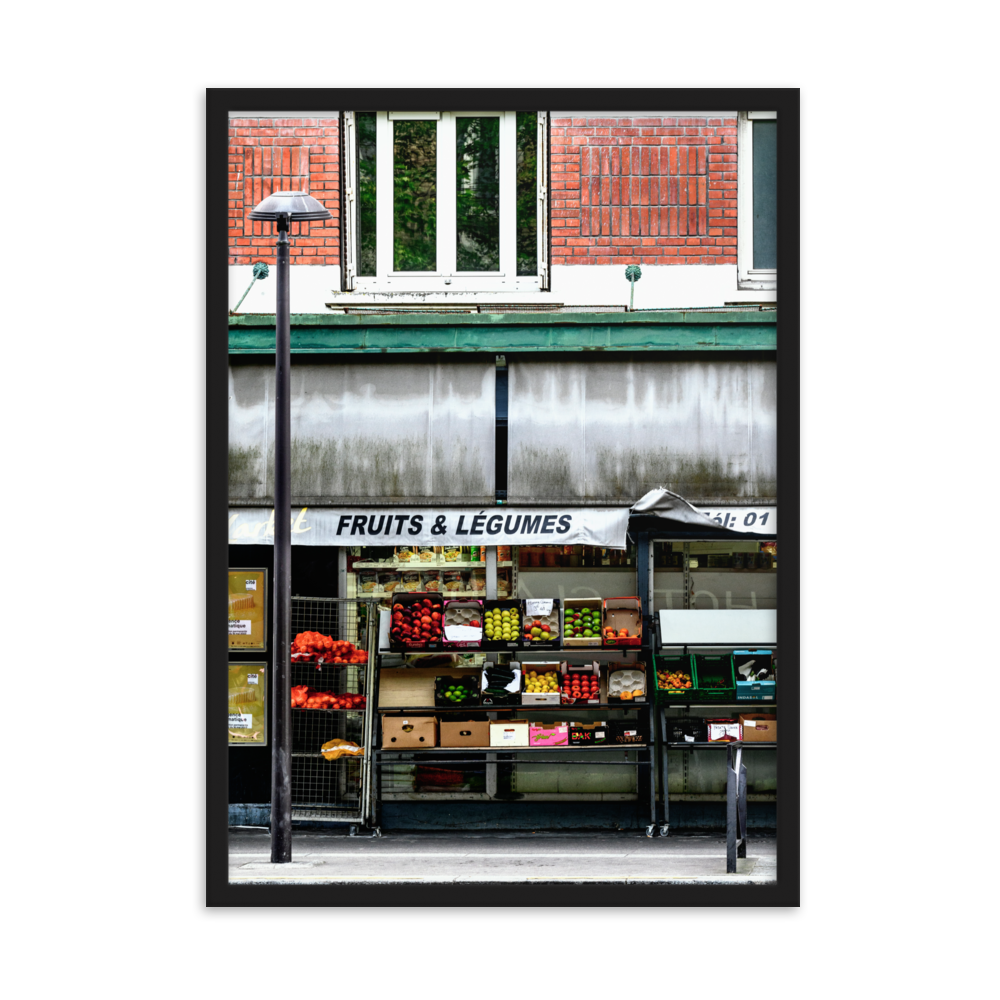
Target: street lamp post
pixel 283 208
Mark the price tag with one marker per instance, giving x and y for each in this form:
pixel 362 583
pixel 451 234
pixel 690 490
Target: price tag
pixel 239 627
pixel 251 584
pixel 237 720
pixel 538 607
pixel 251 678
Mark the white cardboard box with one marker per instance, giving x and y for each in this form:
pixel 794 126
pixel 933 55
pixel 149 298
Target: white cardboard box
pixel 512 733
pixel 718 729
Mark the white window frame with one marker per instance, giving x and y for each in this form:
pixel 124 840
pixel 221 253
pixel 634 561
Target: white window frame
pixel 748 277
pixel 446 278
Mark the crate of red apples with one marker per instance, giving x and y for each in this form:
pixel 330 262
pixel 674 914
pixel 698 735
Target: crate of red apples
pixel 314 647
pixel 304 696
pixel 417 622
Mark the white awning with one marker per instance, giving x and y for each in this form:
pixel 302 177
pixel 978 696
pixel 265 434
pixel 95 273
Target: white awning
pixel 604 527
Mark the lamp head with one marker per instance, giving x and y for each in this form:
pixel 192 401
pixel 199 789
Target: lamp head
pixel 295 206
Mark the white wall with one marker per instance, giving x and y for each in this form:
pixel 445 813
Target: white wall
pixel 669 286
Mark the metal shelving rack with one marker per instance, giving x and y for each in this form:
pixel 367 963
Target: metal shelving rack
pixel 662 818
pixel 496 763
pixel 334 791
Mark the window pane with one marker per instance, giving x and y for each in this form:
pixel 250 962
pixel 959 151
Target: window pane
pixel 527 192
pixel 477 193
pixel 414 201
pixel 765 194
pixel 365 121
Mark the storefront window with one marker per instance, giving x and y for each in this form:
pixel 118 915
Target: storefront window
pixel 720 575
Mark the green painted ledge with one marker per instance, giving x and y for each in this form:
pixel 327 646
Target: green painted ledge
pixel 312 333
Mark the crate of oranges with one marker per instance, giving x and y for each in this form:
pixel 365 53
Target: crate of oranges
pixel 674 682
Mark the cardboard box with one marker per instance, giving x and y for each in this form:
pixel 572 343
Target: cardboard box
pixel 469 733
pixel 588 734
pixel 759 728
pixel 407 732
pixel 619 613
pixel 498 687
pixel 541 667
pixel 548 734
pixel 630 731
pixel 413 687
pixel 722 729
pixel 628 679
pixel 550 620
pixel 569 670
pixel 512 733
pixel 576 605
pixel 463 624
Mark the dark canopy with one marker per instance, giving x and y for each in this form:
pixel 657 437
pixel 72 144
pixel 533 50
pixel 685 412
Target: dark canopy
pixel 661 512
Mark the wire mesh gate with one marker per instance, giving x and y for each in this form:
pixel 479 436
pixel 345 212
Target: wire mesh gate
pixel 335 791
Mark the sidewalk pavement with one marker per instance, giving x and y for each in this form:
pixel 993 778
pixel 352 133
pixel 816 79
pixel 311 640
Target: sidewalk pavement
pixel 324 858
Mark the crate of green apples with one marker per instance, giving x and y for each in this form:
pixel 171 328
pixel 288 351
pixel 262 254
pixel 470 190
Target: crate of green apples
pixel 581 622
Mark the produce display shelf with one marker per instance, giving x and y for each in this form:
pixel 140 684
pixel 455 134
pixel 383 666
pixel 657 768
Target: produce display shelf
pixel 429 752
pixel 729 569
pixel 604 706
pixel 585 652
pixel 441 593
pixel 747 706
pixel 745 744
pixel 357 711
pixel 427 565
pixel 563 569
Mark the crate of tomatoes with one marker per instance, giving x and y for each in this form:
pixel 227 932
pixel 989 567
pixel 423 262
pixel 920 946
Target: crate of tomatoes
pixel 673 679
pixel 580 683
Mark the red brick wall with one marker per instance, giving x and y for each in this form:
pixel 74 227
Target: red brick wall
pixel 655 190
pixel 283 154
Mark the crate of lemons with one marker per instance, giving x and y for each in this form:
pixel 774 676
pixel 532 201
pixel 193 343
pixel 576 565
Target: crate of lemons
pixel 502 625
pixel 541 683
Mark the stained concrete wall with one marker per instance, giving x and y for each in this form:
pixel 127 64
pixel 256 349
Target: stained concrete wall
pixel 604 429
pixel 392 430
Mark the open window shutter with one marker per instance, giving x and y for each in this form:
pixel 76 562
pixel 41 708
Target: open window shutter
pixel 543 200
pixel 350 175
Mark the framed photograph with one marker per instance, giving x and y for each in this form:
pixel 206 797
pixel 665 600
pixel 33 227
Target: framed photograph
pixel 248 610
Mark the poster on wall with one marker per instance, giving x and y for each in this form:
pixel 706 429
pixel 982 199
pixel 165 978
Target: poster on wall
pixel 248 610
pixel 247 704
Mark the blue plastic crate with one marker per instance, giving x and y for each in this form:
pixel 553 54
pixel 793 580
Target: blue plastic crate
pixel 754 690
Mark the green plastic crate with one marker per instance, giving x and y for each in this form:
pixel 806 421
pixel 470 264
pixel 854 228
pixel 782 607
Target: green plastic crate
pixel 709 669
pixel 670 663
